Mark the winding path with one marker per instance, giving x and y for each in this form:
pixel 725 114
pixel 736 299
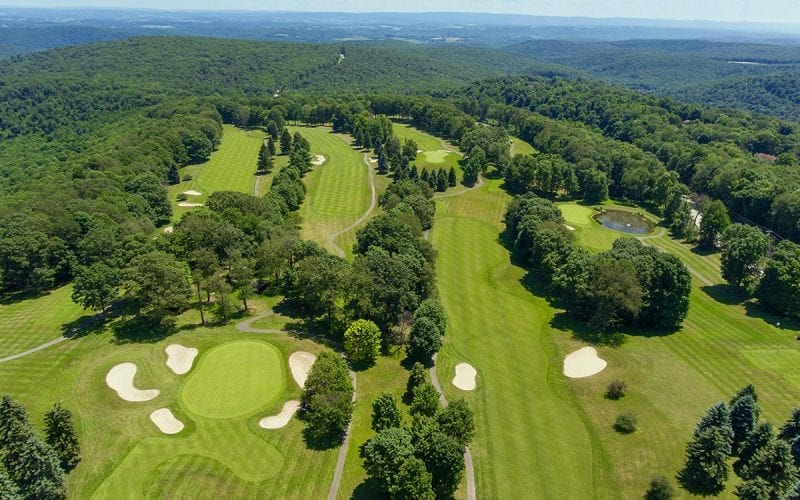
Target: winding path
pixel 246 326
pixel 33 349
pixel 692 270
pixel 373 201
pixel 468 463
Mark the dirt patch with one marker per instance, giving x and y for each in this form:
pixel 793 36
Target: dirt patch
pixel 120 379
pixel 282 418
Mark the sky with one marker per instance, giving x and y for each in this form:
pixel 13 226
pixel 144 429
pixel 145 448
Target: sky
pixel 761 11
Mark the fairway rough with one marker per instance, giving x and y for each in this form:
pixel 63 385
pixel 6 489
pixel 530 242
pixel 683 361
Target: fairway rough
pixel 166 421
pixel 583 363
pixel 180 358
pixel 300 363
pixel 318 160
pixel 282 418
pixel 465 377
pixel 120 379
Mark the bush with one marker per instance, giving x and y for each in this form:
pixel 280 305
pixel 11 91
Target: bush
pixel 181 197
pixel 660 489
pixel 616 390
pixel 625 423
pixel 362 341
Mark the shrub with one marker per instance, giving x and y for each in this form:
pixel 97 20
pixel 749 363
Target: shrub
pixel 616 390
pixel 362 341
pixel 625 423
pixel 660 489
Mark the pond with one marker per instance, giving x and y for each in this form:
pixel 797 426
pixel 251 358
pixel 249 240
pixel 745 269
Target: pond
pixel 627 222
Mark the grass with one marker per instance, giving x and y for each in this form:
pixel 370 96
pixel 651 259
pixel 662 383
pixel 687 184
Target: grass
pixel 434 153
pixel 530 429
pixel 520 147
pixel 232 167
pixel 30 322
pixel 234 379
pixel 338 192
pixel 124 455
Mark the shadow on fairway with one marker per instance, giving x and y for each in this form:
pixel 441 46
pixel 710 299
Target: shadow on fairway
pixel 369 489
pixel 725 294
pixel 139 329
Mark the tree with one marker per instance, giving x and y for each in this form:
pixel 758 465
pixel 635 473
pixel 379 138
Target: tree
pixel 744 248
pixel 271 146
pixel 791 429
pixel 286 141
pixel 432 309
pixel 457 421
pixel 717 417
pixel 61 436
pixel 385 413
pixel 744 417
pixel 444 459
pixel 362 341
pixel 441 181
pixel 240 275
pixel 759 438
pixel 705 470
pixel 96 286
pixel 451 177
pixel 327 400
pixel 157 284
pixel 773 464
pixel 273 130
pixel 9 490
pixel 614 293
pixel 412 482
pixel 173 176
pixel 265 162
pixel 715 220
pixel 754 489
pixel 385 453
pixel 616 390
pixel 383 162
pixel 660 489
pixel 425 401
pixel 779 289
pixel 625 423
pixel 14 423
pixel 476 163
pixel 425 341
pixel 594 184
pixel 415 378
pixel 34 467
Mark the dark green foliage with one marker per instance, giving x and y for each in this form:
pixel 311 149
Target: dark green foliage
pixel 660 489
pixel 759 438
pixel 34 467
pixel 744 248
pixel 384 453
pixel 96 286
pixel 615 293
pixel 457 421
pixel 425 401
pixel 425 340
pixel 744 417
pixel 779 288
pixel 8 490
pixel 327 400
pixel 754 489
pixel 475 164
pixel 271 145
pixel 157 284
pixel 173 176
pixel 265 161
pixel 383 162
pixel 717 417
pixel 705 470
pixel 791 429
pixel 441 181
pixel 594 185
pixel 432 309
pixel 444 459
pixel 772 464
pixel 616 390
pixel 14 423
pixel 60 434
pixel 796 451
pixel 385 413
pixel 286 141
pixel 415 378
pixel 412 482
pixel 451 177
pixel 715 220
pixel 626 423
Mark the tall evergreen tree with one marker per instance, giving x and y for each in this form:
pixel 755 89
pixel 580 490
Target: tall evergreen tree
pixel 271 146
pixel 705 469
pixel 286 141
pixel 791 429
pixel 757 439
pixel 383 162
pixel 774 465
pixel 718 416
pixel 14 424
pixel 265 162
pixel 173 176
pixel 61 436
pixel 451 177
pixel 34 467
pixel 8 489
pixel 441 181
pixel 744 417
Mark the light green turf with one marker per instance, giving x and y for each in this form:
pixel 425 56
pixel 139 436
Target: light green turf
pixel 425 141
pixel 232 167
pixel 338 192
pixel 590 233
pixel 520 147
pixel 30 322
pixel 234 379
pixel 125 456
pixel 531 433
pixel 435 157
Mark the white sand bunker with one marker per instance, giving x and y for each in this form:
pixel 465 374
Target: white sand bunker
pixel 120 378
pixel 583 363
pixel 189 204
pixel 169 230
pixel 282 418
pixel 300 363
pixel 192 192
pixel 318 160
pixel 373 160
pixel 465 377
pixel 180 358
pixel 569 227
pixel 166 421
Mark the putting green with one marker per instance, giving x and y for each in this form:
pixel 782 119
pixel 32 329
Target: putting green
pixel 234 379
pixel 438 156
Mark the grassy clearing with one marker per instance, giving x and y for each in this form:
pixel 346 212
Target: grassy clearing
pixel 338 191
pixel 124 455
pixel 531 433
pixel 30 322
pixel 232 167
pixel 520 147
pixel 434 153
pixel 673 378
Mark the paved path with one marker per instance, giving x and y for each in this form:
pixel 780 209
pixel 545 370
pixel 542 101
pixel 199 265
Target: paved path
pixel 373 201
pixel 246 326
pixel 33 349
pixel 468 464
pixel 692 270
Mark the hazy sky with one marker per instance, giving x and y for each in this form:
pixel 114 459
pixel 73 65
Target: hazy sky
pixel 779 11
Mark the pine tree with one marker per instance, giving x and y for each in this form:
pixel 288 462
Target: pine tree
pixel 14 424
pixel 265 161
pixel 718 416
pixel 415 379
pixel 8 490
pixel 383 162
pixel 791 429
pixel 424 175
pixel 286 141
pixel 451 177
pixel 774 465
pixel 173 176
pixel 744 417
pixel 34 467
pixel 759 438
pixel 271 146
pixel 272 130
pixel 61 436
pixel 441 181
pixel 413 173
pixel 705 470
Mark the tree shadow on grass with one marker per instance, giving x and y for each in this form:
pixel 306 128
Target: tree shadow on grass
pixel 15 297
pixel 580 331
pixel 321 442
pixel 725 294
pixel 369 489
pixel 141 329
pixel 754 310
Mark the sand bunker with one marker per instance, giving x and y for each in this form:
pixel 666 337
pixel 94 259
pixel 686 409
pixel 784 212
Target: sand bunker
pixel 465 377
pixel 169 230
pixel 373 160
pixel 166 421
pixel 300 363
pixel 120 379
pixel 583 363
pixel 318 160
pixel 569 227
pixel 282 418
pixel 189 204
pixel 180 358
pixel 192 192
